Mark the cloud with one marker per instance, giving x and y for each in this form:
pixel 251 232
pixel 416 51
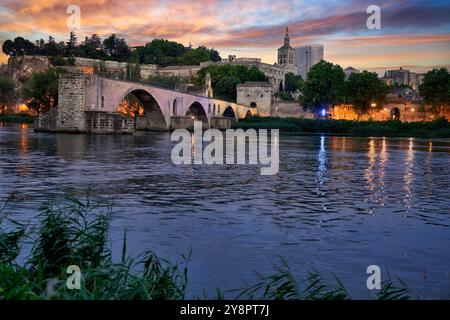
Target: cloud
pixel 239 26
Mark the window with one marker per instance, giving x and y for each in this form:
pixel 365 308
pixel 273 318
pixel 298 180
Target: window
pixel 174 111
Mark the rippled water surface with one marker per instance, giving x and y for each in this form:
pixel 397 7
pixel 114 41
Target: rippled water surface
pixel 337 205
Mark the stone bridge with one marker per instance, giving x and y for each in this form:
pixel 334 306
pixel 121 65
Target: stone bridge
pixel 89 103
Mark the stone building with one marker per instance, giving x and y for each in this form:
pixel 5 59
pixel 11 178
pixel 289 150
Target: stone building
pixel 286 54
pixel 403 77
pixel 256 95
pixel 306 56
pixel 350 70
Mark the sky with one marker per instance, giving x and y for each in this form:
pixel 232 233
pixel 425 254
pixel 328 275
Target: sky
pixel 414 34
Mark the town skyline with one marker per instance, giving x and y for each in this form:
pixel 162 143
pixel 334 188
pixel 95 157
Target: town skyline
pixel 414 34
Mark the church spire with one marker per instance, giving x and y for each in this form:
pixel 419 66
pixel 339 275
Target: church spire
pixel 286 37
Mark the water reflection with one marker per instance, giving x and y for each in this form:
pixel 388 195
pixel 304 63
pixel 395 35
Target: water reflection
pixel 310 213
pixel 409 175
pixel 322 162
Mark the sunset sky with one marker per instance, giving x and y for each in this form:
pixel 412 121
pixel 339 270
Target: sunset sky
pixel 414 34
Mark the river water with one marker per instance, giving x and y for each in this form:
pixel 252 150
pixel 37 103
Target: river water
pixel 338 204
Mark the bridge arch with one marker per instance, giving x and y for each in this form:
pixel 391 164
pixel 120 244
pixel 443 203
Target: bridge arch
pixel 229 113
pixel 197 112
pixel 152 117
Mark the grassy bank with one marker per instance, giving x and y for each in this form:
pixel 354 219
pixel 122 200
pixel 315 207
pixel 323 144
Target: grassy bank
pixel 438 128
pixel 17 118
pixel 76 233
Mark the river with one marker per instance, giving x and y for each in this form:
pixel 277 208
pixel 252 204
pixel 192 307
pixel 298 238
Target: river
pixel 338 204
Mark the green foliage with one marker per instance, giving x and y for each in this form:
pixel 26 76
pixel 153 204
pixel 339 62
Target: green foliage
pixel 324 88
pixel 435 89
pixel 224 79
pixel 164 53
pixel 41 90
pixel 7 95
pixel 116 48
pixel 159 51
pixel 77 234
pixel 293 82
pixel 170 82
pixel 226 88
pixel 133 68
pixel 282 285
pixel 364 89
pixel 17 118
pixel 19 46
pixel 393 128
pixel 284 96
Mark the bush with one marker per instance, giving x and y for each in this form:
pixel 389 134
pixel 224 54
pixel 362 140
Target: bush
pixel 437 128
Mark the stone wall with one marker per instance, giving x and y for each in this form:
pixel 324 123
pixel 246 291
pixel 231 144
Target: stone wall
pixel 257 95
pixel 221 123
pixel 71 102
pixel 289 109
pixel 104 122
pixel 182 122
pixel 46 121
pixel 407 111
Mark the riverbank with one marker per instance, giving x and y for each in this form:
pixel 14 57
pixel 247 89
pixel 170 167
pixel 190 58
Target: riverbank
pixel 17 118
pixel 439 128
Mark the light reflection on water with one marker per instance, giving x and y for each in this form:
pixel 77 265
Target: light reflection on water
pixel 338 204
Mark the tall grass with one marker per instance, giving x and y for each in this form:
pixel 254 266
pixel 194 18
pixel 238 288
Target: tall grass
pixel 76 233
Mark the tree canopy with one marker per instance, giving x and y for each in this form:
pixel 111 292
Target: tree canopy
pixel 41 90
pixel 6 90
pixel 225 78
pixel 325 87
pixel 159 51
pixel 293 82
pixel 365 89
pixel 435 89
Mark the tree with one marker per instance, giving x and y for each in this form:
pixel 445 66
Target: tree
pixel 161 52
pixel 226 88
pixel 116 48
pixel 41 90
pixel 8 48
pixel 435 89
pixel 170 82
pixel 224 79
pixel 7 95
pixel 133 68
pixel 292 82
pixel 52 48
pixel 324 88
pixel 365 89
pixel 19 46
pixel 71 44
